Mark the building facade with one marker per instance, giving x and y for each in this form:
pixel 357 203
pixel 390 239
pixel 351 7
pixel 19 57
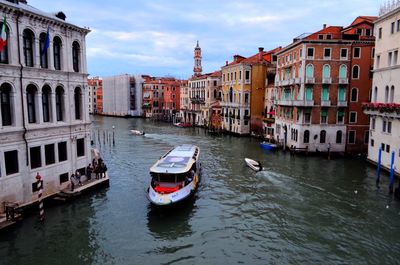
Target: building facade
pixel 95 87
pixel 321 81
pixel 44 119
pixel 123 95
pixel 384 108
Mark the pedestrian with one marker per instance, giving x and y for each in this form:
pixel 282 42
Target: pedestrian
pixel 78 177
pixel 103 169
pixel 89 171
pixel 72 179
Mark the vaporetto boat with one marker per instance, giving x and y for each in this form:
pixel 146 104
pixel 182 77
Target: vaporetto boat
pixel 175 176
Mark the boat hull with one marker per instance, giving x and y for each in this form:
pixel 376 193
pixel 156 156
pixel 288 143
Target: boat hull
pixel 253 164
pixel 268 146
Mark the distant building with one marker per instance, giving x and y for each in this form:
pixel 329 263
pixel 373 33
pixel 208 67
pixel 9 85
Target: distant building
pixel 184 99
pixel 122 95
pixel 243 91
pixel 322 79
pixel 384 108
pixel 44 117
pixel 95 86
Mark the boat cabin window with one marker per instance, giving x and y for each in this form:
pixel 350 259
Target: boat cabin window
pixel 172 178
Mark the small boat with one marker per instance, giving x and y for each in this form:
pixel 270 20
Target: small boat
pixel 175 176
pixel 183 125
pixel 268 146
pixel 137 132
pixel 256 166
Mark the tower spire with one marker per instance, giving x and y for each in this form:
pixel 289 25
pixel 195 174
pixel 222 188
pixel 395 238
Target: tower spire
pixel 197 69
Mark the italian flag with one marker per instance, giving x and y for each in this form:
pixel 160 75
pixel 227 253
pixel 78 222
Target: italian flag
pixel 3 35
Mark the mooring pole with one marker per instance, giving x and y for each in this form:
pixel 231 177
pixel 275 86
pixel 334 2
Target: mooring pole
pixel 40 188
pixel 391 183
pixel 378 172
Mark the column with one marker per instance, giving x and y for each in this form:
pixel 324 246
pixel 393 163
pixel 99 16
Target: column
pixel 53 114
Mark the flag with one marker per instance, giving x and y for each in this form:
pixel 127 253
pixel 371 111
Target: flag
pixel 46 41
pixel 3 35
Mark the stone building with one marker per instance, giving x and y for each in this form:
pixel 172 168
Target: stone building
pixel 44 119
pixel 384 108
pixel 95 87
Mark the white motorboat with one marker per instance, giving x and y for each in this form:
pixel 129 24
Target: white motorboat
pixel 137 132
pixel 175 176
pixel 256 166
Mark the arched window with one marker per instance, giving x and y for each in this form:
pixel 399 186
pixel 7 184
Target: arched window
pixel 343 71
pixel 231 95
pixel 5 101
pixel 356 72
pixel 375 94
pixel 310 71
pixel 43 52
pixel 354 95
pixel 306 136
pixel 31 92
pixel 28 45
pixel 339 137
pixel 59 103
pixel 75 56
pixel 57 44
pixel 386 94
pixel 46 91
pixel 326 71
pixel 215 93
pixel 4 50
pixel 322 137
pixel 78 101
pixel 392 94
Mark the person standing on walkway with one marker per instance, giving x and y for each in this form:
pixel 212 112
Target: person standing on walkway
pixel 89 171
pixel 72 180
pixel 78 177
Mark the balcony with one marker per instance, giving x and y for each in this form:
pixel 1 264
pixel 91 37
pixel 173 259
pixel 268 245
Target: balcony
pixel 310 80
pixel 326 80
pixel 197 100
pixel 343 81
pixel 390 109
pixel 284 102
pixel 342 103
pixel 303 103
pixel 325 103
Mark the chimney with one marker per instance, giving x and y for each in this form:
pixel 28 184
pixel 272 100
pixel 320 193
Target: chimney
pixel 324 26
pixel 260 53
pixel 226 62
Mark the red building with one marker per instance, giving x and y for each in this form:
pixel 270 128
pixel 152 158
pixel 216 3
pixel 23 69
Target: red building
pixel 95 95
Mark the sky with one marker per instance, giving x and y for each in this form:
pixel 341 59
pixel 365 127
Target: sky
pixel 157 37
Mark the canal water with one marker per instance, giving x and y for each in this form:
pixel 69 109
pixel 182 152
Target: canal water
pixel 300 210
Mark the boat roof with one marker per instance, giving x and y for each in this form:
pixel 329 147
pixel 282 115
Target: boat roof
pixel 178 160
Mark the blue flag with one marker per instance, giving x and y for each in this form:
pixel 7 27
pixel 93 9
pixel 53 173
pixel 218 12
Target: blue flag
pixel 46 41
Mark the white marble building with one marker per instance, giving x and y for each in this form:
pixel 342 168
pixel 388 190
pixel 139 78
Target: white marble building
pixel 44 120
pixel 384 109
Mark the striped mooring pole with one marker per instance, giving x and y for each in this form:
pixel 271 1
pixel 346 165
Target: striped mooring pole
pixel 40 188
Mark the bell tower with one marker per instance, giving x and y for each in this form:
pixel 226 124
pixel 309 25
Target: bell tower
pixel 197 60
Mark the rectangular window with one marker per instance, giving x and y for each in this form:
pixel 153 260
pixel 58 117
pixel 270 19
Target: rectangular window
pixel 320 36
pixel 80 147
pixel 395 55
pixel 307 117
pixel 327 53
pixel 353 117
pixel 380 33
pixel 378 61
pixel 357 52
pixel 340 117
pixel 352 137
pixel 384 126
pixel 398 25
pixel 310 52
pixel 392 28
pixel 301 53
pixel 387 148
pixel 36 159
pixel 372 142
pixel 11 162
pixel 373 53
pixel 389 127
pixel 366 137
pixel 343 54
pixel 62 151
pixel 373 123
pixel 324 117
pixel 247 75
pixel 325 93
pixel 64 178
pixel 359 31
pixel 390 55
pixel 308 93
pixel 383 147
pixel 328 36
pixel 367 32
pixel 49 154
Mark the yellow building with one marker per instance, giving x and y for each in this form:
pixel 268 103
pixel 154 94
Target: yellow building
pixel 243 90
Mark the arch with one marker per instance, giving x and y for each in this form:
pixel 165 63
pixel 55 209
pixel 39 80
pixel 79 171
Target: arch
pixel 310 71
pixel 46 103
pixel 391 97
pixel 57 48
pixel 306 136
pixel 28 47
pixel 4 52
pixel 339 135
pixel 375 94
pixel 76 49
pixel 356 72
pixel 43 52
pixel 326 72
pixel 354 94
pixel 386 94
pixel 59 103
pixel 6 104
pixel 343 71
pixel 322 137
pixel 31 92
pixel 78 103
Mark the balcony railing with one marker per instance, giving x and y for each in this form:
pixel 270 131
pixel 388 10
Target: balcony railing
pixel 342 103
pixel 327 80
pixel 310 80
pixel 382 107
pixel 303 103
pixel 343 81
pixel 325 103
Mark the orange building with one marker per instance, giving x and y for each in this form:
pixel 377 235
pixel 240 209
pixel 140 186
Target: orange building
pixel 95 85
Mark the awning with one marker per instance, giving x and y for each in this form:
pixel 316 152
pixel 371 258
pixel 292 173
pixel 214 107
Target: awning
pixel 271 113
